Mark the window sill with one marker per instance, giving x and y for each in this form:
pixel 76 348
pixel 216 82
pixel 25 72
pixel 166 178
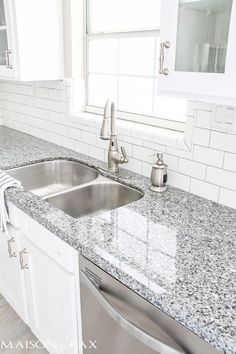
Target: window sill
pixel 141 132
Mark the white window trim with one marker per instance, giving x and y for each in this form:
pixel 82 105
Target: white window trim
pixel 180 139
pixel 150 120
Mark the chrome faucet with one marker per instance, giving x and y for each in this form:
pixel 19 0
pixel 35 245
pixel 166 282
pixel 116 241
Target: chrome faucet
pixel 108 132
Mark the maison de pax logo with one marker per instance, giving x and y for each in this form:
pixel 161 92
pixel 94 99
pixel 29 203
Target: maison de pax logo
pixel 35 344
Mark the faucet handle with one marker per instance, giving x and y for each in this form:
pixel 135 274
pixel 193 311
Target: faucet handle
pixel 123 151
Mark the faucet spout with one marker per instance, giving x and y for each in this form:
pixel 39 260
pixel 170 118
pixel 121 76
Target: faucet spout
pixel 108 132
pixel 113 119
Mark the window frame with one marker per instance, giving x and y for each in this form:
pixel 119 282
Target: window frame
pixel 150 120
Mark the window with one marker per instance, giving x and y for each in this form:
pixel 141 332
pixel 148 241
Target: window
pixel 122 58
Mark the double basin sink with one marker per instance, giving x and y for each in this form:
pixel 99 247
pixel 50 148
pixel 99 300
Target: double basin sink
pixel 74 188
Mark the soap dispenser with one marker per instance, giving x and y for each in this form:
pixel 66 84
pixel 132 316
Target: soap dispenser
pixel 159 175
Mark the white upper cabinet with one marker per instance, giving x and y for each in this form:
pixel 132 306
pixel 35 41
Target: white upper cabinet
pixel 198 52
pixel 31 40
pixel 7 69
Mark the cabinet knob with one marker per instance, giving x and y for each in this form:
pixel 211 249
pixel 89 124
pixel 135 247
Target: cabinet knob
pixel 23 265
pixel 163 46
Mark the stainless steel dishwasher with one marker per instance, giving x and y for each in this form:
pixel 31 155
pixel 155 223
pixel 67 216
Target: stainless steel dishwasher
pixel 115 320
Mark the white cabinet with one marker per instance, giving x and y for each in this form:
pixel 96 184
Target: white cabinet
pixel 7 59
pixel 51 287
pixel 31 40
pixel 39 277
pixel 198 51
pixel 12 282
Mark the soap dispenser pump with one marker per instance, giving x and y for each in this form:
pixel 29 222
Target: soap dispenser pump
pixel 159 175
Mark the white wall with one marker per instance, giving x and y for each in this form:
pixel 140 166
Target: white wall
pixel 73 21
pixel 208 169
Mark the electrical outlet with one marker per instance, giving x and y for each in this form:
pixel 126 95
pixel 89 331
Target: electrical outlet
pixel 224 118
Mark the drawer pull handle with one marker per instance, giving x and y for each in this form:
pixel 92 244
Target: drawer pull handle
pixel 10 252
pixel 23 265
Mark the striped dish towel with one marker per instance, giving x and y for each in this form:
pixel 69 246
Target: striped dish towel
pixel 6 181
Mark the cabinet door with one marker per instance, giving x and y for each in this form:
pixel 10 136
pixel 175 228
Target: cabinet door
pixel 51 290
pixel 7 48
pixel 197 47
pixel 12 283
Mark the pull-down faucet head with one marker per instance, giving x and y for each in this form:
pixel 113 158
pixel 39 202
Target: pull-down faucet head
pixel 105 130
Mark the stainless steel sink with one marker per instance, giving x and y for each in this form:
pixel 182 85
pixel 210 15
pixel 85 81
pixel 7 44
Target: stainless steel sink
pixel 95 198
pixel 50 177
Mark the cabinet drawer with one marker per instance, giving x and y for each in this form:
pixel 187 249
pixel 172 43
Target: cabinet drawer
pixel 55 248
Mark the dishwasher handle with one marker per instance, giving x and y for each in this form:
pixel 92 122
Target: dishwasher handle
pixel 138 333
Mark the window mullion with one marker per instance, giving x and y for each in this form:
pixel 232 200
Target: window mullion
pixel 128 34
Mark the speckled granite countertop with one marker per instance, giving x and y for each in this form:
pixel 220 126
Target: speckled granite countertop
pixel 175 249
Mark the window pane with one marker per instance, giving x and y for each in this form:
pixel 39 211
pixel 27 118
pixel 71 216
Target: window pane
pixel 2 14
pixel 120 15
pixel 142 14
pixel 103 56
pixel 135 95
pixel 124 67
pixel 137 56
pixel 100 88
pixel 3 47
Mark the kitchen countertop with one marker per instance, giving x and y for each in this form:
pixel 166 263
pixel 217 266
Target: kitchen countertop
pixel 175 249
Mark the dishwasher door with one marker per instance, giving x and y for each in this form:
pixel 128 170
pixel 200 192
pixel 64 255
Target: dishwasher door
pixel 115 320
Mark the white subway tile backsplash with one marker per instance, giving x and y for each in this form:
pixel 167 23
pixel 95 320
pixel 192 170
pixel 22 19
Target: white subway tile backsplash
pixel 154 146
pixel 203 162
pixel 192 168
pixel 42 92
pixel 89 138
pixel 68 143
pixel 75 134
pixel 96 152
pixel 201 137
pixel 172 162
pixel 132 140
pixel 180 153
pixel 128 148
pixel 223 141
pixel 142 153
pixel 146 169
pixel 204 189
pixel 221 177
pixel 227 197
pixel 208 156
pixel 135 165
pixel 230 162
pixel 83 148
pixel 178 180
pixel 188 133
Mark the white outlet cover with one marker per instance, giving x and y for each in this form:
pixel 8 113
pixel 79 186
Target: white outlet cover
pixel 224 118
